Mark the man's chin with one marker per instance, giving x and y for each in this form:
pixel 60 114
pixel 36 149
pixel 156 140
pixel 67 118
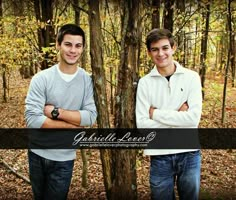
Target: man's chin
pixel 72 63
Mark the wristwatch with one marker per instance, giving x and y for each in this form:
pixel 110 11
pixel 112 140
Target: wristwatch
pixel 55 113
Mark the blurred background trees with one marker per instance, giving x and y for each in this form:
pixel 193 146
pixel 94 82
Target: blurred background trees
pixel 116 55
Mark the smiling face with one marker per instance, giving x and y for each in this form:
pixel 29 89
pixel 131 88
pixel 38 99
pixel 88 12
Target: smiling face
pixel 161 53
pixel 70 49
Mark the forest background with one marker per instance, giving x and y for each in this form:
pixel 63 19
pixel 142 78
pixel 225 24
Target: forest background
pixel 116 57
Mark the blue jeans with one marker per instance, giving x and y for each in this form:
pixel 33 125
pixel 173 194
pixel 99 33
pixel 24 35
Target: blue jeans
pixel 184 168
pixel 49 179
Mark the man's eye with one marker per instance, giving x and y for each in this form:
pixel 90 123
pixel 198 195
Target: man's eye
pixel 154 49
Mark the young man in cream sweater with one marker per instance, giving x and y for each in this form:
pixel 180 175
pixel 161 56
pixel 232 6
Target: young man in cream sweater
pixel 170 96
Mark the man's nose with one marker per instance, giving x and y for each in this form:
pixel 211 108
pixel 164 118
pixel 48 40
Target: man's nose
pixel 73 49
pixel 160 52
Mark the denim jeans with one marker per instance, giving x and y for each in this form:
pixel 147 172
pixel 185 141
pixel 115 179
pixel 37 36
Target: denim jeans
pixel 182 168
pixel 49 179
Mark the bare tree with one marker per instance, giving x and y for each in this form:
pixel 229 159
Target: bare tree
pixel 156 5
pixel 229 58
pixel 124 183
pixel 99 79
pixel 203 55
pixel 168 14
pixel 232 47
pixel 180 10
pixel 46 36
pixel 77 11
pixel 3 65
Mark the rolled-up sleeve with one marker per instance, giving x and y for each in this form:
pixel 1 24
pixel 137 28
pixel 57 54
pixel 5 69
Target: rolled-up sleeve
pixel 88 111
pixel 34 103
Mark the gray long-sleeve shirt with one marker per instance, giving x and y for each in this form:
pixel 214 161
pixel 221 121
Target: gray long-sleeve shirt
pixel 48 87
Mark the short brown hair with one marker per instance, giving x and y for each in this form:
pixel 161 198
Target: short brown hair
pixel 157 34
pixel 71 29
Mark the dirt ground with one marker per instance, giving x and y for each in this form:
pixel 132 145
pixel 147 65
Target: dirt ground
pixel 218 175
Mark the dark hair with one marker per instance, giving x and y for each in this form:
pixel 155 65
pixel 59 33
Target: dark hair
pixel 71 29
pixel 157 34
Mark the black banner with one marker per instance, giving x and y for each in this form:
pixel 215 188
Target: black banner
pixel 118 138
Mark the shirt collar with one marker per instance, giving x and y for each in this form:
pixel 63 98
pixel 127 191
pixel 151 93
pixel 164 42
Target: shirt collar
pixel 179 70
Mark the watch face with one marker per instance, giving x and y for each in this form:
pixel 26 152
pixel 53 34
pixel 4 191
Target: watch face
pixel 55 113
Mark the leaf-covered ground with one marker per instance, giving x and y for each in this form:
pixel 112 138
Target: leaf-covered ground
pixel 218 174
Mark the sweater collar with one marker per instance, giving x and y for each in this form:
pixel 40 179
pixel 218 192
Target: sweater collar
pixel 179 70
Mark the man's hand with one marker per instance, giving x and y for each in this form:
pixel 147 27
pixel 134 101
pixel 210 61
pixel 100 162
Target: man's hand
pixel 47 110
pixel 49 123
pixel 184 107
pixel 151 110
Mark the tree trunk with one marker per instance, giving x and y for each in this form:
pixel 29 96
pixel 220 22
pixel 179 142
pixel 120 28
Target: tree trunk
pixel 229 25
pixel 124 182
pixel 97 64
pixel 46 37
pixel 4 82
pixel 203 55
pixel 232 48
pixel 99 79
pixel 156 5
pixel 85 168
pixel 1 15
pixel 222 52
pixel 168 14
pixel 77 12
pixel 18 7
pixel 111 89
pixel 82 151
pixel 38 18
pixel 195 46
pixel 180 9
pixel 47 18
pixel 3 65
pixel 217 54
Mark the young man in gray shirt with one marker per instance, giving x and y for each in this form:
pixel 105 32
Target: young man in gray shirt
pixel 59 97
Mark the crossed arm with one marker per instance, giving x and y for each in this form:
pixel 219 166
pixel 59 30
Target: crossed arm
pixel 66 118
pixel 183 107
pixel 38 112
pixel 187 115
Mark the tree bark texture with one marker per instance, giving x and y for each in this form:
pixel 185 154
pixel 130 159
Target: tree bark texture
pixel 168 14
pixel 46 36
pixel 203 55
pixel 77 12
pixel 232 42
pixel 124 161
pixel 99 80
pixel 229 25
pixel 127 73
pixel 181 39
pixel 156 4
pixel 3 65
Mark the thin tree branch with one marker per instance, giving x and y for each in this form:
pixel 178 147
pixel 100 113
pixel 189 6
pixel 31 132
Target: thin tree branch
pixel 114 37
pixel 67 3
pixel 186 21
pixel 26 179
pixel 76 7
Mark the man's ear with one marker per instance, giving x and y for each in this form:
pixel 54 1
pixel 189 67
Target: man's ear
pixel 57 46
pixel 148 52
pixel 174 48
